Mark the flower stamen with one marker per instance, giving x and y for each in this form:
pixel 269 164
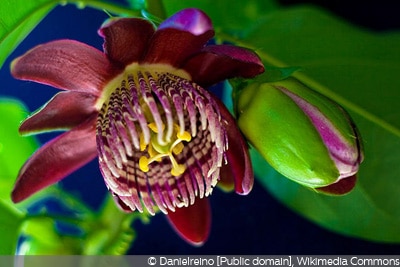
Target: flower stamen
pixel 157 151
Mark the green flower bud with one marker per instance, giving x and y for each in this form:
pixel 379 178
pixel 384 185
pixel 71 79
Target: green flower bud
pixel 302 134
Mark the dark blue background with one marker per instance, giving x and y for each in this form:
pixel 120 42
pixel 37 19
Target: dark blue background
pixel 255 224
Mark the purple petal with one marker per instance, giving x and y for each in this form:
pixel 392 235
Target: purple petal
pixel 64 111
pixel 125 39
pixel 344 152
pixel 219 62
pixel 191 20
pixel 56 159
pixel 65 64
pixel 180 36
pixel 239 164
pixel 192 223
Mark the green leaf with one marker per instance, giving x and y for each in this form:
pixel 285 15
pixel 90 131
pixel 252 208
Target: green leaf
pixel 359 70
pixel 17 20
pixel 14 149
pixel 10 222
pixel 354 214
pixel 274 74
pixel 42 238
pixel 231 15
pixel 137 4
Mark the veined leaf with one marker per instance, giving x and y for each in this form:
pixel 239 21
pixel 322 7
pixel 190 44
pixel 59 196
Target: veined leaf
pixel 17 20
pixel 354 214
pixel 358 69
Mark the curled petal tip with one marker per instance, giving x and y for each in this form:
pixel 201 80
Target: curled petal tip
pixel 239 169
pixel 218 62
pixel 192 223
pixel 342 187
pixel 18 195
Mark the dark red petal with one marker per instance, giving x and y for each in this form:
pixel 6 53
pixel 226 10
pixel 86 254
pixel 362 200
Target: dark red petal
pixel 56 159
pixel 219 62
pixel 180 36
pixel 226 181
pixel 121 204
pixel 65 64
pixel 342 187
pixel 65 110
pixel 126 39
pixel 237 155
pixel 192 223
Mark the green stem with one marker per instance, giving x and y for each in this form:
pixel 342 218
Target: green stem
pixel 269 59
pixel 156 8
pixel 56 192
pixel 102 5
pixel 84 216
pixel 85 223
pixel 113 233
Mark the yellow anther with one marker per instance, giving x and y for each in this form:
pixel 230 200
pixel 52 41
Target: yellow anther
pixel 177 149
pixel 157 151
pixel 153 127
pixel 142 143
pixel 144 164
pixel 178 169
pixel 185 136
pixel 153 153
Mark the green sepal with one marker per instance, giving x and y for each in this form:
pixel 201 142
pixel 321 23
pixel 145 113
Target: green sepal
pixel 272 74
pixel 275 74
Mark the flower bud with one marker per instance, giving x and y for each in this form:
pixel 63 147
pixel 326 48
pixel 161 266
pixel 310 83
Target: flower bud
pixel 304 135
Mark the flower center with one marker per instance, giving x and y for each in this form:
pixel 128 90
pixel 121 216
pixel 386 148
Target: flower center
pixel 157 151
pixel 160 139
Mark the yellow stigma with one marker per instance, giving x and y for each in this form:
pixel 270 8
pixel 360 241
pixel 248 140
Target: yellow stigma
pixel 157 151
